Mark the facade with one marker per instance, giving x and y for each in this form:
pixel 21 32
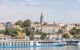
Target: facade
pixel 55 36
pixel 9 25
pixel 2 26
pixel 70 26
pixel 77 26
pixel 46 28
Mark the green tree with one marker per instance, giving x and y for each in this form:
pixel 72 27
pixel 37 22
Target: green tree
pixel 43 36
pixel 20 23
pixel 73 31
pixel 2 31
pixel 12 32
pixel 28 31
pixel 27 23
pixel 66 36
pixel 60 31
pixel 78 31
pixel 33 32
pixel 27 27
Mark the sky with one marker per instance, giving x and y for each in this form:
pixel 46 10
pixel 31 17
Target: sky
pixel 64 11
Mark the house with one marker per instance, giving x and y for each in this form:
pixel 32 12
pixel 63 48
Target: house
pixel 77 26
pixel 46 28
pixel 70 26
pixel 2 26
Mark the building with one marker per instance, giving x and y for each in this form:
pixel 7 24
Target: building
pixel 70 26
pixel 77 26
pixel 2 26
pixel 8 25
pixel 46 28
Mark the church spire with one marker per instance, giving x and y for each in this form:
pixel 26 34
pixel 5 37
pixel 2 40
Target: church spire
pixel 41 18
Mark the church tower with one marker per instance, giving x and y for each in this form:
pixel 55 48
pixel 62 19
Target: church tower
pixel 41 19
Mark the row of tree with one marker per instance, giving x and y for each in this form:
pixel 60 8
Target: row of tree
pixel 25 25
pixel 75 33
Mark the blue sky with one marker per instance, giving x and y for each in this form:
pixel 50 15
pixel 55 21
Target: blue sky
pixel 65 11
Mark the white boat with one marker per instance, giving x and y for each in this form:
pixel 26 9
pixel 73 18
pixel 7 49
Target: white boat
pixel 73 42
pixel 77 44
pixel 34 43
pixel 23 43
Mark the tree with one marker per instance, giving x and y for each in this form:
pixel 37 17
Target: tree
pixel 32 33
pixel 78 31
pixel 75 31
pixel 60 31
pixel 25 26
pixel 11 32
pixel 20 23
pixel 43 36
pixel 33 29
pixel 27 23
pixel 66 36
pixel 14 32
pixel 2 31
pixel 28 31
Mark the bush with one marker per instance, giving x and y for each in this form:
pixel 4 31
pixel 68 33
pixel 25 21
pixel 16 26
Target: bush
pixel 43 36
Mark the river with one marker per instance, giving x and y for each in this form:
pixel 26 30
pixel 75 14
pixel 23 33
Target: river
pixel 46 48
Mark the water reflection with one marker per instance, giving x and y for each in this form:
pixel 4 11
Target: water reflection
pixel 44 48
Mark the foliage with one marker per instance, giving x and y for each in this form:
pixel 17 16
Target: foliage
pixel 25 26
pixel 20 23
pixel 38 33
pixel 33 29
pixel 28 31
pixel 66 36
pixel 75 31
pixel 12 32
pixel 60 31
pixel 27 23
pixel 2 31
pixel 78 31
pixel 43 36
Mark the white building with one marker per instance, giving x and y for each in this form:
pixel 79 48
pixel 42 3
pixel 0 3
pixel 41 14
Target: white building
pixel 2 26
pixel 70 26
pixel 46 28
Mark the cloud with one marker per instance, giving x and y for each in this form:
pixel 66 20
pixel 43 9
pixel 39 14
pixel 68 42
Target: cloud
pixel 14 10
pixel 24 9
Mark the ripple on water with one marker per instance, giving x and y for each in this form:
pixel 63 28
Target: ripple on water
pixel 46 48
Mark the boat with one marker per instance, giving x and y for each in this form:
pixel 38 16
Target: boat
pixel 73 42
pixel 25 44
pixel 51 44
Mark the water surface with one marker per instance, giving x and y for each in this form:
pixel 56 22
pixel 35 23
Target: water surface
pixel 46 48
